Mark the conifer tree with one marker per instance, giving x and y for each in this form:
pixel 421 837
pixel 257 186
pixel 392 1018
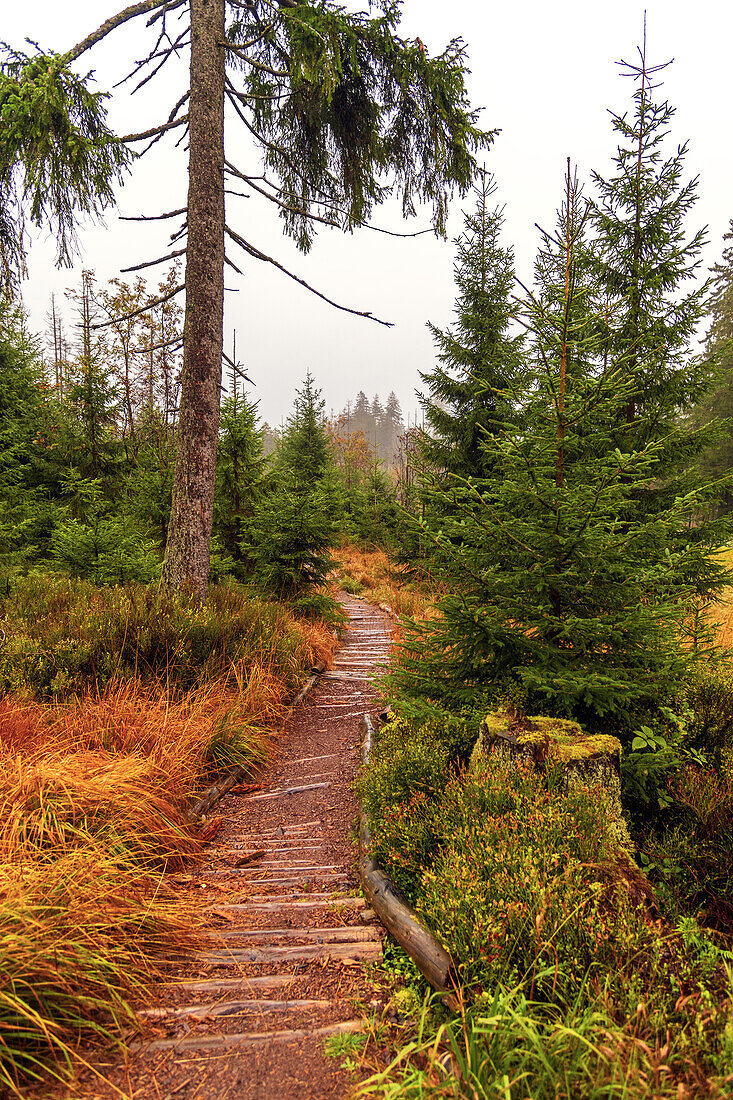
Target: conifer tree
pixel 336 102
pixel 564 593
pixel 240 475
pixel 393 428
pixel 25 512
pixel 647 259
pixel 304 453
pixel 297 517
pixel 718 461
pixel 471 389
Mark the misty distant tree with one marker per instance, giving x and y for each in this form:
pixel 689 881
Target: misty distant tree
pixel 335 102
pixel 392 428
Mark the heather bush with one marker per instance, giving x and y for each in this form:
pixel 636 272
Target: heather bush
pixel 62 635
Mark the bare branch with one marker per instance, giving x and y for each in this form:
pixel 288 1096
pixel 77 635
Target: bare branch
pixel 112 24
pixel 236 369
pixel 144 309
pixel 230 263
pixel 156 131
pixel 173 49
pixel 157 347
pixel 179 233
pixel 249 180
pixel 257 255
pixel 154 263
pixel 152 217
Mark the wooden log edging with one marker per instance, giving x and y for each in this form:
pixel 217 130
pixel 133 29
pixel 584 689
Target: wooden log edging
pixel 430 957
pixel 214 794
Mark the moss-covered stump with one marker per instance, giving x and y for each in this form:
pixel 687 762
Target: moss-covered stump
pixel 589 761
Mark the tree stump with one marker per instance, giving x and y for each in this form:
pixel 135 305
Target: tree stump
pixel 589 761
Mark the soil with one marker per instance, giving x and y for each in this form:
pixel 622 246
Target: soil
pixel 290 962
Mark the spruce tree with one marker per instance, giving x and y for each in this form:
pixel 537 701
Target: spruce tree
pixel 564 594
pixel 304 454
pixel 647 259
pixel 239 476
pixel 718 461
pixel 471 390
pixel 296 519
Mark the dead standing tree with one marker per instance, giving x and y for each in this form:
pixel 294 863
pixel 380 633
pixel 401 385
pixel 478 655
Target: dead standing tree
pixel 342 113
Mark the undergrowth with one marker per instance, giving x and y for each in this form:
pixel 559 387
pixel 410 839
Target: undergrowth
pixel 574 982
pixel 368 571
pixel 119 705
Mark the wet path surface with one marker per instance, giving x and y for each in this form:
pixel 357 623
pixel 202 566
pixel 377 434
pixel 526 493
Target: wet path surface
pixel 249 1015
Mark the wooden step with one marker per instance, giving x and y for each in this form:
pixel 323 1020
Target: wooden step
pixel 230 1008
pixel 369 949
pixel 346 934
pixel 251 1039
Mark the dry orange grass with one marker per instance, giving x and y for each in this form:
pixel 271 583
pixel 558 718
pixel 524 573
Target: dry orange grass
pixel 379 580
pixel 94 794
pixel 720 613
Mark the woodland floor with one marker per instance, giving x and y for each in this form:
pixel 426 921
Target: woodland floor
pixel 287 963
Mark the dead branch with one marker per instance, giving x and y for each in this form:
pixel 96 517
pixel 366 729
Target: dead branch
pixel 152 217
pixel 156 347
pixel 249 180
pixel 166 54
pixel 155 131
pixel 154 263
pixel 112 24
pixel 257 255
pixel 144 309
pixel 236 369
pixel 230 263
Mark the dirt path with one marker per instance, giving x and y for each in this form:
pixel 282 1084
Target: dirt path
pixel 248 1017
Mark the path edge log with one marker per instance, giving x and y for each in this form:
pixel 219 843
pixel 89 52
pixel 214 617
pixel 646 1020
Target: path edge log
pixel 430 957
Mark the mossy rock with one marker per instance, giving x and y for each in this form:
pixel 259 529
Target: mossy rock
pixel 589 761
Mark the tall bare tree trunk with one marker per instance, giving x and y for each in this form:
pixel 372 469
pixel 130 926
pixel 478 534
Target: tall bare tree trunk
pixel 186 563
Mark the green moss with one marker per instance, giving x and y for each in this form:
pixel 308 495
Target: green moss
pixel 565 739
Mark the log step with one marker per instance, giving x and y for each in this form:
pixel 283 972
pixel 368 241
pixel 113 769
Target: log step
pixel 264 906
pixel 347 934
pixel 286 791
pixel 205 985
pixel 230 1008
pixel 369 949
pixel 250 1039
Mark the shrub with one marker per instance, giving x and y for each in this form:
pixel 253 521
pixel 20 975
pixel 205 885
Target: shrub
pixel 61 636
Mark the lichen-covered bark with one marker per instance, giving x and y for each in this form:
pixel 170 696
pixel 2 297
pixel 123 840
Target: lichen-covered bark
pixel 186 563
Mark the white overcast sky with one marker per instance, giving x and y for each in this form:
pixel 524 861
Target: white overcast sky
pixel 543 72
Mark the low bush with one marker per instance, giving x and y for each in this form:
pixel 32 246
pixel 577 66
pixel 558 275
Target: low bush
pixel 524 882
pixel 60 636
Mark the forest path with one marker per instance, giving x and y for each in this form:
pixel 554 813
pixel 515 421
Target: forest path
pixel 248 1016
